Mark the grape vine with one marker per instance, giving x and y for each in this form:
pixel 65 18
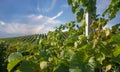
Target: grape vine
pixel 70 50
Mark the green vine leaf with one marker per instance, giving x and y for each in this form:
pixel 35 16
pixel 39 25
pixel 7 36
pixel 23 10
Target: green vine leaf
pixel 75 8
pixel 116 51
pixel 29 66
pixel 13 63
pixel 80 15
pixel 14 56
pixel 100 57
pixel 69 2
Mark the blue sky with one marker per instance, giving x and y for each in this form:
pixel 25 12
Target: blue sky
pixel 24 17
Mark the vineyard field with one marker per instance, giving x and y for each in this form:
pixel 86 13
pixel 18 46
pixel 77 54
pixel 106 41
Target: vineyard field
pixel 67 48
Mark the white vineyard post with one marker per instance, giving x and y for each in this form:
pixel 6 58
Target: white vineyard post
pixel 88 20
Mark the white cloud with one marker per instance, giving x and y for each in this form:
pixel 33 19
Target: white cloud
pixel 34 16
pixel 64 6
pixel 30 24
pixel 59 14
pixel 23 29
pixel 2 22
pixel 49 6
pixel 38 7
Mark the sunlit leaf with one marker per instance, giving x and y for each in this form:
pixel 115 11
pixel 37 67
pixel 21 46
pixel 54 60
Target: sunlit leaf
pixel 43 65
pixel 108 67
pixel 15 55
pixel 12 64
pixel 116 51
pixel 107 31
